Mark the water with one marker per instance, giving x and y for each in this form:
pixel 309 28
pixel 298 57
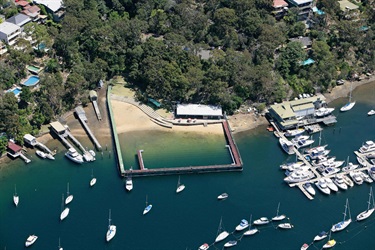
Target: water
pixel 31 81
pixel 188 219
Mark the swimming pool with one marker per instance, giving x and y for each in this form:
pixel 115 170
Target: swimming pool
pixel 34 69
pixel 31 81
pixel 16 91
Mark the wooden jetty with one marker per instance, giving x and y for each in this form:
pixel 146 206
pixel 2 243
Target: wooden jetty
pixel 83 119
pixel 140 159
pixel 32 141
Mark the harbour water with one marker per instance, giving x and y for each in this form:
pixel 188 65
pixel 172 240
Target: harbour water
pixel 190 218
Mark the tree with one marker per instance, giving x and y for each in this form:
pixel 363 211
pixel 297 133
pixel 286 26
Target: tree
pixel 290 59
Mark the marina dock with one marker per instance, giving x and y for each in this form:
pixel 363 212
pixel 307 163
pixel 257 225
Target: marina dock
pixel 140 159
pixel 83 119
pixel 32 141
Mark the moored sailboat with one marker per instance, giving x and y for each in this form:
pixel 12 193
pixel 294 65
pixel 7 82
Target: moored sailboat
pixel 69 197
pixel 370 208
pixel 221 233
pixel 320 236
pixel 350 104
pixel 278 217
pixel 251 231
pixel 111 232
pixel 330 243
pixel 147 208
pixel 344 223
pixel 93 179
pixel 180 187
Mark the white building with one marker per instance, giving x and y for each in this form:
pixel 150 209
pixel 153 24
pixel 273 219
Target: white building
pixel 199 111
pixel 9 32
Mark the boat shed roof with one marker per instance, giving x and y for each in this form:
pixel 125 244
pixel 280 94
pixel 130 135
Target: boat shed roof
pixel 303 107
pixel 57 126
pixel 93 93
pixel 198 110
pixel 283 110
pixel 14 147
pixel 28 137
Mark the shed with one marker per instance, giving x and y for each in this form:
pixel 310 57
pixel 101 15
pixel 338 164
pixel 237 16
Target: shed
pixel 81 113
pixel 14 148
pixel 93 95
pixel 199 111
pixel 30 139
pixel 58 127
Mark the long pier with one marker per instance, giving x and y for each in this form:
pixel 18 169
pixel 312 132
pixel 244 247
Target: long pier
pixel 82 118
pixel 97 111
pixel 140 159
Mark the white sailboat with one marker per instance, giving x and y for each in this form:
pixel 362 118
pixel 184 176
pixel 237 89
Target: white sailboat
pixel 278 217
pixel 371 112
pixel 180 187
pixel 111 232
pixel 344 223
pixel 93 179
pixel 370 207
pixel 221 233
pixel 320 236
pixel 64 212
pixel 251 231
pixel 16 198
pixel 230 243
pixel 350 104
pixel 286 225
pixel 147 208
pixel 330 243
pixel 69 197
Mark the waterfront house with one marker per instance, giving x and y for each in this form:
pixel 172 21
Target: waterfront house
pixel 9 32
pixel 29 139
pixel 58 128
pixel 198 111
pixel 53 7
pixel 13 149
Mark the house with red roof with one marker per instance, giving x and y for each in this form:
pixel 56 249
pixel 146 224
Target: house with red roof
pixel 280 7
pixel 13 148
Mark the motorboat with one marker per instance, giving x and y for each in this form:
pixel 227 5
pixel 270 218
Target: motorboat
pixel 244 224
pixel 73 155
pixel 294 132
pixel 261 221
pixel 339 182
pixel 287 146
pixel 333 164
pixel 222 234
pixel 362 161
pixel 291 165
pixel 111 232
pixel 285 226
pixel 367 147
pixel 348 181
pixel 129 183
pixel 30 240
pixel 223 196
pixel 349 167
pixel 371 172
pixel 297 169
pixel 318 149
pixel 330 171
pixel 303 143
pixel 230 243
pixel 93 179
pixel 322 186
pixel 278 216
pixel 356 177
pixel 323 111
pixel 147 209
pixel 69 197
pixel 322 235
pixel 318 163
pixel 251 231
pixel 309 188
pixel 331 185
pixel 204 246
pixel 370 208
pixel 344 223
pixel 371 112
pixel 366 177
pixel 16 198
pixel 180 187
pixel 315 154
pixel 50 156
pixel 297 176
pixel 41 154
pixel 305 246
pixel 329 244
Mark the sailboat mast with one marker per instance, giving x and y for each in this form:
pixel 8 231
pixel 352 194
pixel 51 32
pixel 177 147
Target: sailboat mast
pixel 109 218
pixel 67 192
pixel 277 212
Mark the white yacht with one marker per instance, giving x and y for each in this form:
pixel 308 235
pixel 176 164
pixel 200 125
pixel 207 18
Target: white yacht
pixel 230 243
pixel 349 167
pixel 297 176
pixel 261 221
pixel 370 207
pixel 322 235
pixel 299 137
pixel 371 172
pixel 356 177
pixel 344 223
pixel 330 171
pixel 322 186
pixel 331 185
pixel 223 196
pixel 180 187
pixel 366 177
pixel 41 154
pixel 243 224
pixel 303 143
pixel 278 216
pixel 111 232
pixel 316 149
pixel 309 188
pixel 348 181
pixel 301 168
pixel 339 181
pixel 286 225
pixel 221 233
pixel 251 231
pixel 294 132
pixel 73 155
pixel 362 161
pixel 323 111
pixel 16 198
pixel 292 165
pixel 30 240
pixel 367 147
pixel 287 146
pixel 50 156
pixel 333 164
pixel 129 183
pixel 371 112
pixel 315 154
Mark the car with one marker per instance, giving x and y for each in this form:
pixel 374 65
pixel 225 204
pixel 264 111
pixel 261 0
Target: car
pixel 340 82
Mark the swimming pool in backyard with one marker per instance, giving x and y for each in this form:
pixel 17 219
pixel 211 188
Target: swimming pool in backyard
pixel 31 81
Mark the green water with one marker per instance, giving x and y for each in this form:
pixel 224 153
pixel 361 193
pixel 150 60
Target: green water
pixel 185 220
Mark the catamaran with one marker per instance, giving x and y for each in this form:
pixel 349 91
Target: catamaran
pixel 147 208
pixel 350 104
pixel 251 231
pixel 278 217
pixel 221 233
pixel 180 187
pixel 370 207
pixel 69 198
pixel 16 198
pixel 64 212
pixel 344 223
pixel 93 179
pixel 111 232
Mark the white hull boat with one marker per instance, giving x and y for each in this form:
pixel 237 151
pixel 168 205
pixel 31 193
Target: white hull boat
pixel 278 216
pixel 316 154
pixel 223 196
pixel 356 177
pixel 204 246
pixel 74 156
pixel 147 208
pixel 30 240
pixel 180 187
pixel 367 147
pixel 323 111
pixel 285 226
pixel 261 221
pixel 309 188
pixel 41 154
pixel 111 232
pixel 251 231
pixel 331 185
pixel 362 161
pixel 366 177
pixel 348 181
pixel 316 149
pixel 93 179
pixel 221 233
pixel 69 197
pixel 230 243
pixel 344 223
pixel 294 132
pixel 322 235
pixel 287 146
pixel 322 186
pixel 303 143
pixel 350 167
pixel 244 224
pixel 129 183
pixel 347 106
pixel 305 246
pixel 371 112
pixel 371 172
pixel 370 208
pixel 339 182
pixel 50 156
pixel 298 176
pixel 329 244
pixel 16 198
pixel 291 165
pixel 64 213
pixel 328 171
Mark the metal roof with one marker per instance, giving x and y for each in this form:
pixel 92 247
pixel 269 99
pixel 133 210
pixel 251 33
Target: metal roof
pixel 14 147
pixel 303 107
pixel 57 126
pixel 29 137
pixel 19 19
pixel 53 5
pixel 283 110
pixel 198 109
pixel 346 5
pixel 8 28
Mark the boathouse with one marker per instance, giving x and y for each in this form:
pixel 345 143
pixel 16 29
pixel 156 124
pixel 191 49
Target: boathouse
pixel 198 111
pixel 29 139
pixel 58 128
pixel 93 95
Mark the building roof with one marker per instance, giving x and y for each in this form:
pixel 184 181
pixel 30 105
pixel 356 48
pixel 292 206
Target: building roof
pixel 22 3
pixel 28 137
pixel 286 109
pixel 19 19
pixel 346 5
pixel 279 3
pixel 53 5
pixel 93 93
pixel 283 110
pixel 300 2
pixel 8 28
pixel 14 147
pixel 198 110
pixel 57 126
pixel 306 41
